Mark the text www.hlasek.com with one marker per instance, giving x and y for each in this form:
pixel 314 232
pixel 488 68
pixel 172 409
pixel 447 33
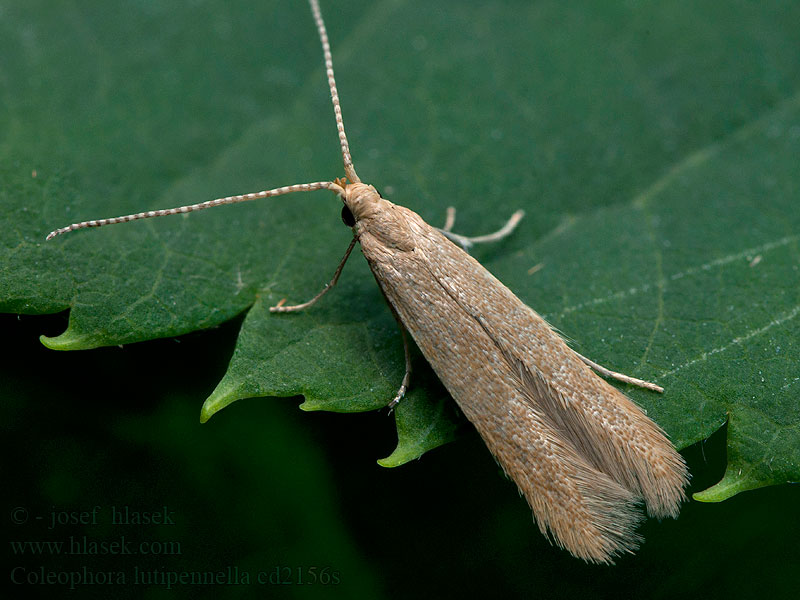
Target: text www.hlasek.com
pixel 82 545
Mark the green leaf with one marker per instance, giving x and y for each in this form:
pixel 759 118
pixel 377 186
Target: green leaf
pixel 653 146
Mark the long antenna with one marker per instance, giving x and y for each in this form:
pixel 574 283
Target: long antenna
pixel 349 169
pixel 298 187
pixel 335 186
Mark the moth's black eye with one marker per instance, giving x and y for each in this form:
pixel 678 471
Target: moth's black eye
pixel 348 217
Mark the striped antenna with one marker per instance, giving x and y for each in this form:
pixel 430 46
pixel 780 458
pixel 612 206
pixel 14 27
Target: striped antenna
pixel 288 189
pixel 336 186
pixel 349 169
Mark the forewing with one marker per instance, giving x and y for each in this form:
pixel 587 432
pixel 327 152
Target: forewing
pixel 603 425
pixel 584 509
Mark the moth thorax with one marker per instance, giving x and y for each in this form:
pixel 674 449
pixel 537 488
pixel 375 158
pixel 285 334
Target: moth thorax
pixel 363 200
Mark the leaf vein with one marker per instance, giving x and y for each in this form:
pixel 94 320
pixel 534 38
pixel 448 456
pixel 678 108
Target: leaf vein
pixel 788 316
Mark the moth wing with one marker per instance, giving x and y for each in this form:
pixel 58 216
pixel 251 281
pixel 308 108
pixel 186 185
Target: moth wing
pixel 605 426
pixel 582 508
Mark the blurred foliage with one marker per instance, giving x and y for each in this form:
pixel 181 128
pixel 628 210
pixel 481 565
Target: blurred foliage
pixel 268 486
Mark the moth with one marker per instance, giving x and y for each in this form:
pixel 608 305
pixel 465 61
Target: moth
pixel 581 452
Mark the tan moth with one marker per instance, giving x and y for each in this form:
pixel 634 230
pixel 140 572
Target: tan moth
pixel 583 454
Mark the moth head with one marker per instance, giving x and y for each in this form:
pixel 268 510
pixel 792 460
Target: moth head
pixel 361 201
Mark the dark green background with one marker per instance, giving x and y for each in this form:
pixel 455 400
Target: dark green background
pixel 618 126
pixel 265 485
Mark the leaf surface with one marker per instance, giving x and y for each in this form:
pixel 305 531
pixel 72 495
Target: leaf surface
pixel 654 147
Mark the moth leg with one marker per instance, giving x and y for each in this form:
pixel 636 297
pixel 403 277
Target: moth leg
pixel 467 242
pixel 407 377
pixel 281 308
pixel 619 376
pixel 450 219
